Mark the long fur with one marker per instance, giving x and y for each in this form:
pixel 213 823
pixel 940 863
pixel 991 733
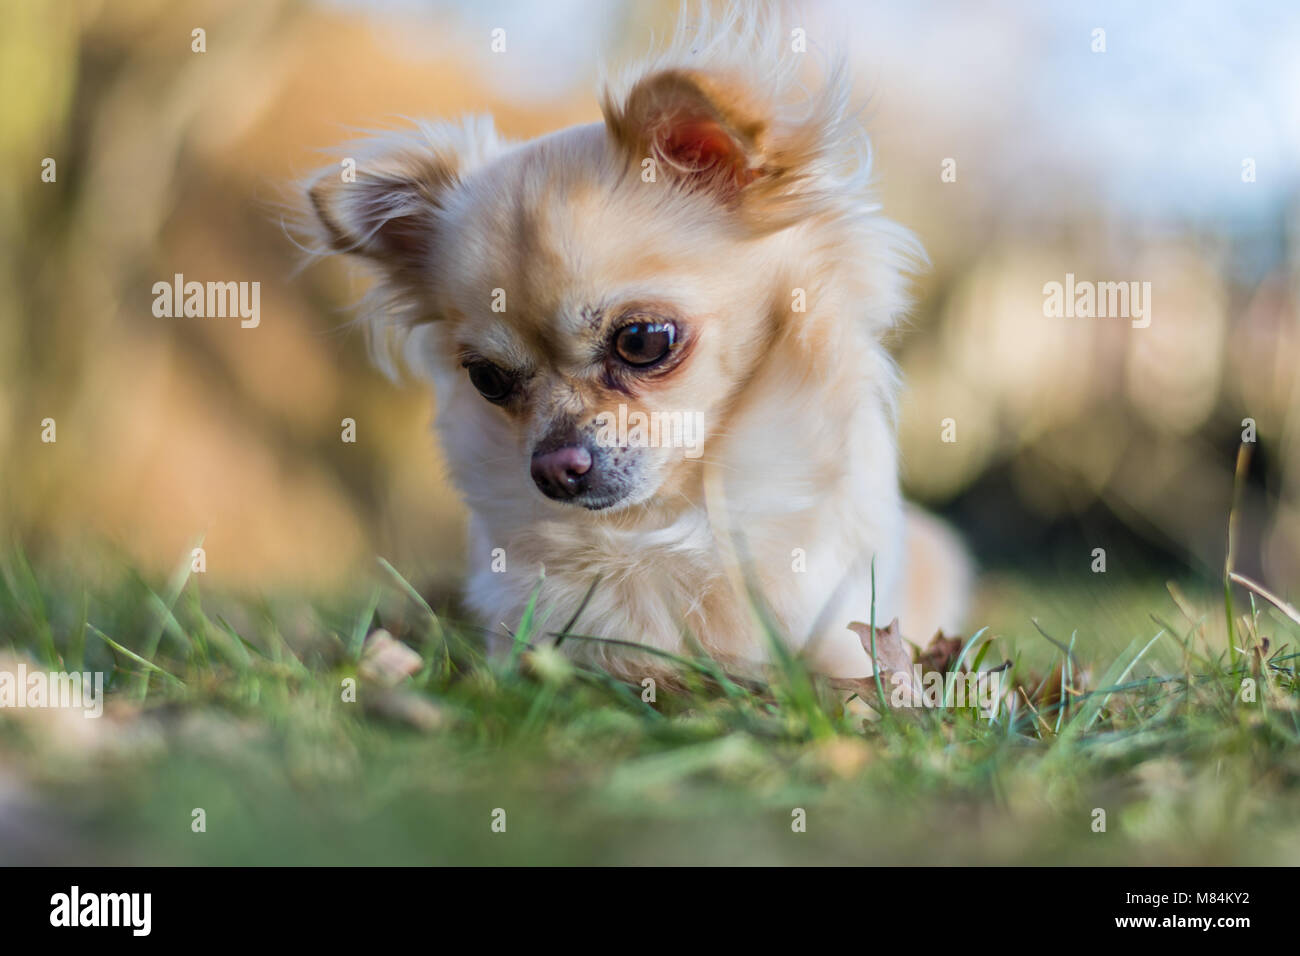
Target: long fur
pixel 795 507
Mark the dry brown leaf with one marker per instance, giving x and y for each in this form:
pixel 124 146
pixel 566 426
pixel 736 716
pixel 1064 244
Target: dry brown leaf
pixel 892 663
pixel 941 653
pixel 386 661
pixel 891 654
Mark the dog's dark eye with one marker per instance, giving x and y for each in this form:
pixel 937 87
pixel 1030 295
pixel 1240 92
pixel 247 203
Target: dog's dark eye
pixel 493 383
pixel 645 343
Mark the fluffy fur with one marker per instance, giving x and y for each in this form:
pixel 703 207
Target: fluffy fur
pixel 532 256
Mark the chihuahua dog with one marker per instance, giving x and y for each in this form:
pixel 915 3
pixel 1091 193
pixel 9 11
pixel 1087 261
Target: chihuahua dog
pixel 656 349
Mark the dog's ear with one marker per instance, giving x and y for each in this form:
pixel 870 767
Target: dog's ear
pixel 381 202
pixel 382 207
pixel 695 125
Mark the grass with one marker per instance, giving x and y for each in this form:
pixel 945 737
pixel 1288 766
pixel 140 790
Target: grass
pixel 235 706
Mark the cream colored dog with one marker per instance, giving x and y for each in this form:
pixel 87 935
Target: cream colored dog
pixel 655 343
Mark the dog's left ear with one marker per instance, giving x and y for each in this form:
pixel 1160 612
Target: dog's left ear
pixel 385 211
pixel 693 125
pixel 382 206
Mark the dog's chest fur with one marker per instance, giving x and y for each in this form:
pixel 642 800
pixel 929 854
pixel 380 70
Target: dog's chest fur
pixel 790 539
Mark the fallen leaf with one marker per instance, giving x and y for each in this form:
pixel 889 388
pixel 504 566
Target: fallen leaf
pixel 891 663
pixel 941 653
pixel 891 654
pixel 386 661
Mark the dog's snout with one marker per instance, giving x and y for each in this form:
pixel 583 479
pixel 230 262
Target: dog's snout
pixel 562 473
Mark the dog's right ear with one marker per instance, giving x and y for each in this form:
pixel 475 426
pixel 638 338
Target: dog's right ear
pixel 696 124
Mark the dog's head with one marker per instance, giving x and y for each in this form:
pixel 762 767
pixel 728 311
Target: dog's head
pixel 598 298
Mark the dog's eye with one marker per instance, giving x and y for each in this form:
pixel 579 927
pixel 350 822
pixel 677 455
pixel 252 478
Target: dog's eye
pixel 645 343
pixel 493 382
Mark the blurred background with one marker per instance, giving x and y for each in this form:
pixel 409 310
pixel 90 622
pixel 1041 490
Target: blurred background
pixel 1171 157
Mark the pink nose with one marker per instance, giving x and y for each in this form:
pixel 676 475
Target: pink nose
pixel 560 474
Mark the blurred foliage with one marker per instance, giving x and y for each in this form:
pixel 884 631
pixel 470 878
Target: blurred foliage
pixel 169 431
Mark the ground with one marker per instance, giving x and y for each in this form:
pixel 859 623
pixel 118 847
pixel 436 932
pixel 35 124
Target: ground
pixel 227 739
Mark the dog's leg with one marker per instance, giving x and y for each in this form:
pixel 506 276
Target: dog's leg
pixel 938 578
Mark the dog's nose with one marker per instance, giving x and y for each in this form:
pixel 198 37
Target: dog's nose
pixel 561 474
